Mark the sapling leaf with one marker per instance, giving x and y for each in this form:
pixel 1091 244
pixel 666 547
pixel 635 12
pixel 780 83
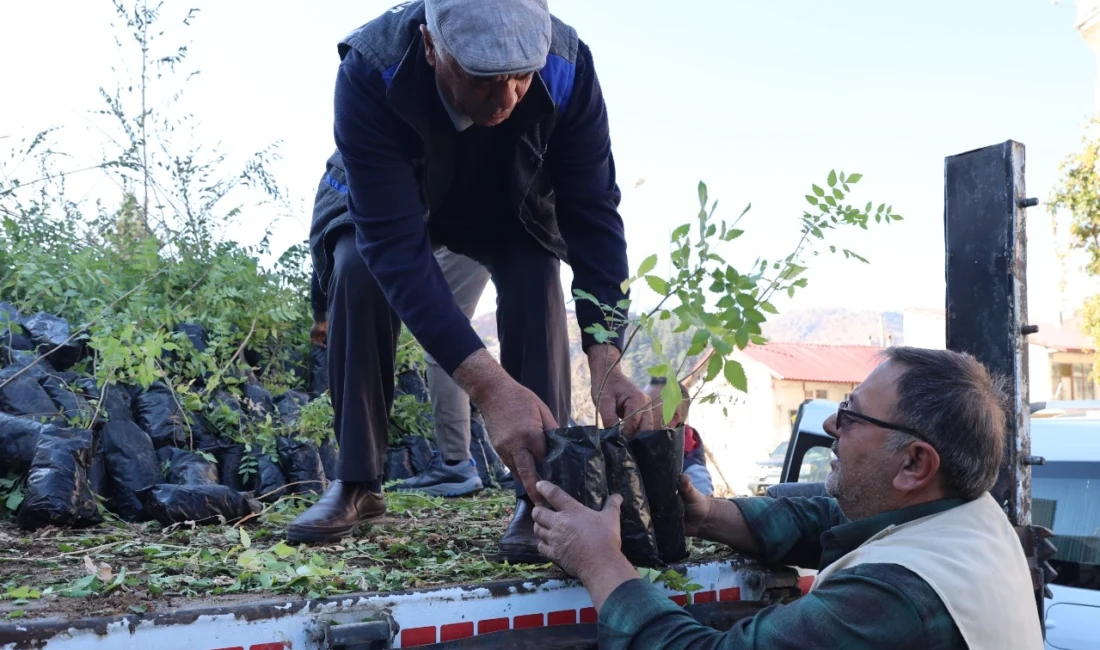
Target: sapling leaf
pixel 670 397
pixel 735 375
pixel 647 265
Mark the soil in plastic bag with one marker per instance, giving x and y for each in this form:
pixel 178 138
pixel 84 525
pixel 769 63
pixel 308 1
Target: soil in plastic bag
pixel 160 417
pixel 574 462
pixel 67 398
pixel 24 396
pixel 50 333
pixel 202 504
pixel 301 463
pixel 258 401
pixel 269 480
pixel 58 491
pixel 114 399
pixel 18 439
pixel 229 467
pixel 290 404
pixel 330 456
pixel 398 467
pixel 13 336
pixel 202 436
pixel 131 466
pixel 411 382
pixel 489 465
pixel 15 359
pixel 660 457
pixel 195 333
pixel 97 471
pixel 635 521
pixel 181 467
pixel 318 370
pixel 420 453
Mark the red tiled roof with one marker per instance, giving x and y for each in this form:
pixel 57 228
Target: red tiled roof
pixel 1067 337
pixel 835 364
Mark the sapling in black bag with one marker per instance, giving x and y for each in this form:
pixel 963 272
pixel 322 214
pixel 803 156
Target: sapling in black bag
pixel 574 462
pixel 623 478
pixel 660 457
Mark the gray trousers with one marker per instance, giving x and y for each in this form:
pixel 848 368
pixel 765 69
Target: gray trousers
pixel 451 404
pixel 362 342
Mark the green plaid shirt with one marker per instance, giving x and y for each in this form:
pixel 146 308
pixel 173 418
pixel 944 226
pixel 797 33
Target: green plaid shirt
pixel 867 606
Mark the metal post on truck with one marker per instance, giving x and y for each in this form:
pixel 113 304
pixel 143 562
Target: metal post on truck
pixel 986 299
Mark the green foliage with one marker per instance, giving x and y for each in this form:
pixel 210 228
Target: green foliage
pixel 1078 193
pixel 716 306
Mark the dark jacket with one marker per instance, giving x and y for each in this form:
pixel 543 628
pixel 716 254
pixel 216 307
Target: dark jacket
pixel 395 165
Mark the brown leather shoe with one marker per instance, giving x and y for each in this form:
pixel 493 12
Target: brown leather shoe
pixel 519 544
pixel 336 514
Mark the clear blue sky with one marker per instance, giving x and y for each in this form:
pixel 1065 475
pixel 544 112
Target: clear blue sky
pixel 759 99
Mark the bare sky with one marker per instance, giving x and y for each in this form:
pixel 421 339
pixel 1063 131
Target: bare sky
pixel 759 99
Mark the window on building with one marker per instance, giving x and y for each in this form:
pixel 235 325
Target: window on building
pixel 822 394
pixel 1072 381
pixel 809 394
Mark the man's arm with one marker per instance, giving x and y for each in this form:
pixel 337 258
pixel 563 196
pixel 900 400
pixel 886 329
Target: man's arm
pixel 783 531
pixel 389 216
pixel 582 169
pixel 870 606
pixel 317 299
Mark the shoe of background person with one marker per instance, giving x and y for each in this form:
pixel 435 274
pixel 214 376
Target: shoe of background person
pixel 336 514
pixel 444 480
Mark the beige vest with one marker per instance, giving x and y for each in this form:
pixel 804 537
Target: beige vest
pixel 972 558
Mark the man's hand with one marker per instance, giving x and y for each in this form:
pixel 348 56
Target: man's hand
pixel 620 400
pixel 696 507
pixel 515 418
pixel 319 333
pixel 585 543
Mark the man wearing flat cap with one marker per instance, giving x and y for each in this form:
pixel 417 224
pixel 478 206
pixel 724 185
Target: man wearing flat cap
pixel 479 126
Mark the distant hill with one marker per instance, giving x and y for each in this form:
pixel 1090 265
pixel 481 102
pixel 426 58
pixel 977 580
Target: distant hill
pixel 836 326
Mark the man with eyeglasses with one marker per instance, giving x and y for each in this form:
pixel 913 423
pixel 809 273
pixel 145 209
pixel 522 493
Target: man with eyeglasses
pixel 911 549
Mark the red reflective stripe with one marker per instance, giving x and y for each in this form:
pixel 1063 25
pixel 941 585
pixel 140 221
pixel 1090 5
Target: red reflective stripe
pixel 530 620
pixel 269 646
pixel 417 636
pixel 492 625
pixel 706 597
pixel 727 595
pixel 588 615
pixel 680 600
pixel 456 631
pixel 804 583
pixel 233 648
pixel 564 617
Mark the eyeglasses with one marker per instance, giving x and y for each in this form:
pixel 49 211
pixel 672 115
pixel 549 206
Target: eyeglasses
pixel 842 414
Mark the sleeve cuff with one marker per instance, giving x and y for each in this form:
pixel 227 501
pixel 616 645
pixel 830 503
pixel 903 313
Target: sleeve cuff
pixel 629 610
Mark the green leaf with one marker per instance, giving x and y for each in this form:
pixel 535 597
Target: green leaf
pixel 14 499
pixel 282 550
pixel 702 195
pixel 647 265
pixel 818 191
pixel 811 199
pixel 735 375
pixel 698 343
pixel 768 307
pixel 854 178
pixel 681 231
pixel 246 539
pixel 832 178
pixel 720 346
pixel 714 366
pixel 657 284
pixel 624 286
pixel 670 397
pixel 584 295
pixel 732 234
pixel 659 370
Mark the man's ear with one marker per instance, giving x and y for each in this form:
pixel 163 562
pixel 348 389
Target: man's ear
pixel 429 46
pixel 920 468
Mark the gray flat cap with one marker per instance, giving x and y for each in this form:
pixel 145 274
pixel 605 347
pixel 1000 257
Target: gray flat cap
pixel 492 37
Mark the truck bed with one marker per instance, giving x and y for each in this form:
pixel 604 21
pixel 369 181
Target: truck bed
pixel 118 568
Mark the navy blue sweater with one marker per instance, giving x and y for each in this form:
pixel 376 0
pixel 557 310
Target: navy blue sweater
pixel 384 201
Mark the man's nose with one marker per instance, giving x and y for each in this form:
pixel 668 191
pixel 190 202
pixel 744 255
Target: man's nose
pixel 830 426
pixel 507 95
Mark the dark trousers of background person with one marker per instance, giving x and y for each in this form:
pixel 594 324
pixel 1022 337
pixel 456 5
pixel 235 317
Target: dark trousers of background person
pixel 363 332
